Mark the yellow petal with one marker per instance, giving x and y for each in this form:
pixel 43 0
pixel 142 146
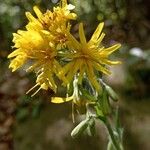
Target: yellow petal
pixel 15 53
pixel 100 38
pixel 109 50
pixel 56 69
pixel 81 73
pixel 64 3
pixel 92 77
pixel 30 17
pixel 82 34
pixel 66 68
pixel 97 32
pixel 101 68
pixel 37 11
pixel 73 70
pixel 73 41
pixel 59 100
pixel 109 62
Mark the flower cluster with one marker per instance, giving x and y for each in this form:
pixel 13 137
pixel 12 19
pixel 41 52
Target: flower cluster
pixel 53 52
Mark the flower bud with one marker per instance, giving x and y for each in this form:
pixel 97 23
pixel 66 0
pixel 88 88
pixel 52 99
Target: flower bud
pixel 111 93
pixel 91 127
pixel 78 130
pixel 105 103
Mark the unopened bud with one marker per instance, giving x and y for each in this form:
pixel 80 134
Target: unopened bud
pixel 91 127
pixel 105 103
pixel 111 93
pixel 78 130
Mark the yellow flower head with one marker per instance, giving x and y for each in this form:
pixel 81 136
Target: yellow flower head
pixel 56 22
pixel 40 43
pixel 27 44
pixel 36 47
pixel 88 57
pixel 60 15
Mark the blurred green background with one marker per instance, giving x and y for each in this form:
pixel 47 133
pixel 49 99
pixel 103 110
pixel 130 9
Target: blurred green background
pixel 34 123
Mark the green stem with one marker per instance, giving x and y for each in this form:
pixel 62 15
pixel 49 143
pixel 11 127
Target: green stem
pixel 111 133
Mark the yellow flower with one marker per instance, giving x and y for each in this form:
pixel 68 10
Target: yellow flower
pixel 60 16
pixel 27 43
pixel 40 43
pixel 36 47
pixel 56 22
pixel 88 57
